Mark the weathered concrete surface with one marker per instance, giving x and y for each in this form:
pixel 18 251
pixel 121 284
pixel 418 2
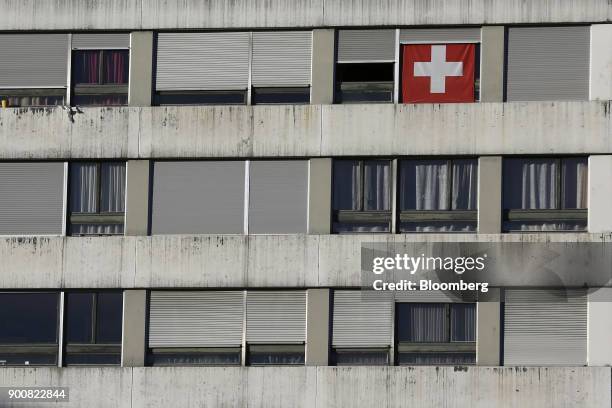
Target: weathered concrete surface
pixel 321 387
pixel 198 14
pixel 308 130
pixel 234 261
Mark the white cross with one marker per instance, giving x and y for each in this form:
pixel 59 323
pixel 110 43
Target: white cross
pixel 438 69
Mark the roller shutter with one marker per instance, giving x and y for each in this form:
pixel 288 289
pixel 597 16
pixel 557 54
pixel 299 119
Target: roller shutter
pixel 198 197
pixel 440 35
pixel 433 296
pixel 545 327
pixel 362 320
pixel 196 319
pixel 366 45
pixel 282 58
pixel 31 198
pixel 548 63
pixel 202 61
pixel 276 317
pixel 33 60
pixel 101 40
pixel 278 197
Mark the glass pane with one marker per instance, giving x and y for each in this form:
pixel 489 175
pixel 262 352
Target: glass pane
pixel 288 358
pixel 463 322
pixel 376 184
pixel 575 183
pixel 113 187
pixel 96 229
pixel 422 322
pixel 346 185
pixel 437 358
pixel 545 225
pixel 86 67
pixel 349 358
pixel 438 226
pixel 281 95
pixel 530 183
pixel 83 187
pixel 79 317
pixel 16 359
pixel 116 66
pixel 27 318
pixel 424 185
pixel 358 96
pixel 109 315
pixel 92 358
pixel 178 358
pixel 465 184
pixel 372 72
pixel 100 100
pixel 342 228
pixel 202 98
pixel 33 100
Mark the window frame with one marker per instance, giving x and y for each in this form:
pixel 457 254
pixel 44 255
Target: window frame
pixel 357 350
pixel 364 87
pixel 275 349
pixel 160 351
pixel 100 88
pixel 281 90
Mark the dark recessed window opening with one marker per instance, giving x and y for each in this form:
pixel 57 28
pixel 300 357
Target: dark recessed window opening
pixel 100 77
pixel 16 98
pixel 237 97
pixel 277 354
pixel 356 356
pixel 364 82
pixel 196 356
pixel 293 95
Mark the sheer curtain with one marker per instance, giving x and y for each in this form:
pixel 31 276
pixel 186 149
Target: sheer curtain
pixel 346 185
pixel 465 185
pixel 116 66
pixel 463 322
pixel 113 187
pixel 87 67
pixel 575 183
pixel 376 184
pixel 422 322
pixel 83 188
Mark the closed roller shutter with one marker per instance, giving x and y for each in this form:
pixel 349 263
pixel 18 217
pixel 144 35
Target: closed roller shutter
pixel 198 197
pixel 276 317
pixel 196 319
pixel 362 320
pixel 101 40
pixel 440 35
pixel 278 197
pixel 282 58
pixel 366 45
pixel 33 60
pixel 545 327
pixel 202 61
pixel 433 296
pixel 548 63
pixel 31 198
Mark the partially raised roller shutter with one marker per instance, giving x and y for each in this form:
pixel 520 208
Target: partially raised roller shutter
pixel 276 317
pixel 101 40
pixel 362 319
pixel 198 197
pixel 196 319
pixel 31 198
pixel 33 60
pixel 440 35
pixel 278 197
pixel 366 45
pixel 282 58
pixel 202 61
pixel 545 327
pixel 548 63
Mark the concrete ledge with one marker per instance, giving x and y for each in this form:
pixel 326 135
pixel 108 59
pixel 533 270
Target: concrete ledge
pixel 233 261
pixel 307 130
pixel 384 387
pixel 196 14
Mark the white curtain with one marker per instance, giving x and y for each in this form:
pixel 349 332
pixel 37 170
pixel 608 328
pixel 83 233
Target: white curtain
pixel 465 184
pixel 437 358
pixel 346 185
pixel 423 322
pixel 83 183
pixel 575 183
pixel 376 184
pixel 113 187
pixel 96 229
pixel 431 184
pixel 539 184
pixel 463 322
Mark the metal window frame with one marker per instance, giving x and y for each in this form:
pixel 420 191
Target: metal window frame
pixel 100 88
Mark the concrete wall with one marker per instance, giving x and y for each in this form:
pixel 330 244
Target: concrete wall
pixel 600 194
pixel 269 387
pixel 311 130
pixel 227 261
pixel 599 347
pixel 601 62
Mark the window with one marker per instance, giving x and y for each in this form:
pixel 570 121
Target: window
pixel 29 328
pixel 361 196
pixel 235 97
pixel 93 327
pixel 356 356
pixel 32 97
pixel 97 198
pixel 277 354
pixel 364 82
pixel 207 356
pixel 100 77
pixel 436 333
pixel 287 95
pixel 438 195
pixel 545 194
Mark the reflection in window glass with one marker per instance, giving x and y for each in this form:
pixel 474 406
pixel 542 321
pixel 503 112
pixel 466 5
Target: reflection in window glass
pixel 28 318
pixel 79 317
pixel 109 312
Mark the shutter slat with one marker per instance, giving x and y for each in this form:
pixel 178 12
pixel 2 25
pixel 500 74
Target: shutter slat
pixel 282 58
pixel 101 40
pixel 366 45
pixel 440 35
pixel 277 317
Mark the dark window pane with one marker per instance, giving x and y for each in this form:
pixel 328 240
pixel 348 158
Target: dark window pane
pixel 437 358
pixel 575 182
pixel 348 358
pixel 422 322
pixel 84 187
pixel 463 322
pixel 92 358
pixel 280 358
pixel 86 66
pixel 79 317
pixel 424 185
pixel 530 183
pixel 438 226
pixel 346 185
pixel 116 66
pixel 96 229
pixel 28 318
pixel 369 72
pixel 464 184
pixel 30 358
pixel 112 191
pixel 100 100
pixel 281 95
pixel 352 227
pixel 109 313
pixel 178 358
pixel 364 95
pixel 202 98
pixel 376 183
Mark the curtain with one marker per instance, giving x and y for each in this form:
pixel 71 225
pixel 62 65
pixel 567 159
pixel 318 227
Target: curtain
pixel 83 188
pixel 346 185
pixel 438 226
pixel 96 229
pixel 352 358
pixel 423 185
pixel 376 184
pixel 575 176
pixel 116 68
pixel 463 322
pixel 345 227
pixel 530 183
pixel 288 358
pixel 86 66
pixel 113 187
pixel 422 322
pixel 465 184
pixel 437 358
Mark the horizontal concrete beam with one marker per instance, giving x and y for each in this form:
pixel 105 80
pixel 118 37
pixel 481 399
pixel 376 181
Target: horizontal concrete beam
pixel 197 14
pixel 308 131
pixel 294 261
pixel 309 387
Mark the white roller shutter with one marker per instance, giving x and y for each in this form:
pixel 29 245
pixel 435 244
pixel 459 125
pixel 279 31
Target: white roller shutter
pixel 366 45
pixel 100 40
pixel 282 58
pixel 276 317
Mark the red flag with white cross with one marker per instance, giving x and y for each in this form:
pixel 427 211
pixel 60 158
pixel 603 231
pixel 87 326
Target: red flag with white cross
pixel 438 73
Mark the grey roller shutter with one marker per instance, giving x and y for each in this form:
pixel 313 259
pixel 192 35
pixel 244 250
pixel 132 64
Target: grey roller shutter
pixel 362 320
pixel 545 327
pixel 31 198
pixel 101 40
pixel 278 197
pixel 276 317
pixel 440 35
pixel 366 45
pixel 33 60
pixel 202 61
pixel 282 58
pixel 195 197
pixel 196 319
pixel 432 296
pixel 548 63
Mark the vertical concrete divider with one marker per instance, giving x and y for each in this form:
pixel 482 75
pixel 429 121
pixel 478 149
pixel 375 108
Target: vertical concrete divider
pixel 319 196
pixel 490 194
pixel 599 327
pixel 137 197
pixel 323 55
pixel 601 62
pixel 492 64
pixel 317 327
pixel 133 347
pixel 600 194
pixel 488 329
pixel 141 68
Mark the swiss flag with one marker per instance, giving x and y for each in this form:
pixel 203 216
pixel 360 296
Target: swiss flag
pixel 438 73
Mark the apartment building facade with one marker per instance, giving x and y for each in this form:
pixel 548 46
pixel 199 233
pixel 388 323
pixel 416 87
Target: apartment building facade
pixel 188 190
